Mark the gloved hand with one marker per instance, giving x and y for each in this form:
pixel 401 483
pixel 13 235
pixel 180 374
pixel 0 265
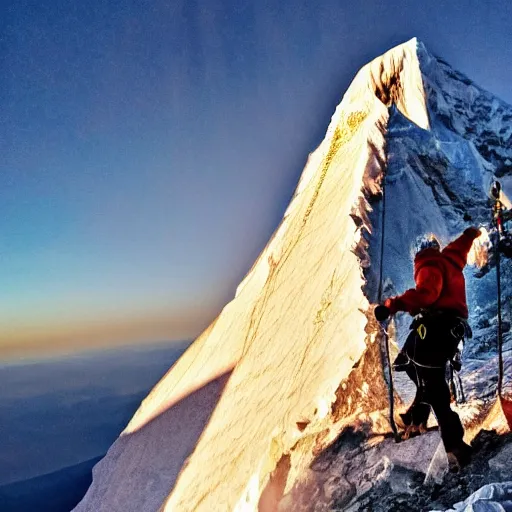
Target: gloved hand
pixel 472 232
pixel 382 313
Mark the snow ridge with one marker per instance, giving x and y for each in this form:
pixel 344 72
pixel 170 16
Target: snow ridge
pixel 294 358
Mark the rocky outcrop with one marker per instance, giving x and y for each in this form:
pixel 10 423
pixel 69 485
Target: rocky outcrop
pixel 359 474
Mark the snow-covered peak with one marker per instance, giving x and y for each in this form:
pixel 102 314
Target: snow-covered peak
pixel 393 78
pixel 294 358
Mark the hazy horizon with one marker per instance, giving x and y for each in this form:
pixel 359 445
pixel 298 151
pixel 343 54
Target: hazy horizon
pixel 34 354
pixel 60 412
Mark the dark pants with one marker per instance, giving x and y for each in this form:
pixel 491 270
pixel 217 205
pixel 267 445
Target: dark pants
pixel 424 358
pixel 432 391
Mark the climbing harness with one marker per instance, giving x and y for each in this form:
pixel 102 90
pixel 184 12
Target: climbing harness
pixel 506 405
pixel 459 332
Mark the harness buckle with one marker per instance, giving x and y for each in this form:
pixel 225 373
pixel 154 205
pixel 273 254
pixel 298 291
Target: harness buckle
pixel 422 331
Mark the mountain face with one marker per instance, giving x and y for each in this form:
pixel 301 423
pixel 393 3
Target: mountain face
pixel 294 360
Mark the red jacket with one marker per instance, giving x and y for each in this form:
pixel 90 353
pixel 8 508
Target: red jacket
pixel 439 279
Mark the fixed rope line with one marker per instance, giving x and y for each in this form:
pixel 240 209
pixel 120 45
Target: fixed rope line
pixel 500 325
pixel 384 325
pixel 497 221
pixel 506 404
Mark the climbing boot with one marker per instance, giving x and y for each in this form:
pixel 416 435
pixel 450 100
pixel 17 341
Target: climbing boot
pixel 414 430
pixel 459 457
pixel 409 429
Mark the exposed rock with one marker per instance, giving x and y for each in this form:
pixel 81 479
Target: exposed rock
pixel 359 467
pixel 502 461
pixel 454 487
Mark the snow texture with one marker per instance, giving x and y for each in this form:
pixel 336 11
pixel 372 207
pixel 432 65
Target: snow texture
pixel 294 358
pixel 495 497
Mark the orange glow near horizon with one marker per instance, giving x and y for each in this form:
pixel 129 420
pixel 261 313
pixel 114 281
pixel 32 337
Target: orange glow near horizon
pixel 51 339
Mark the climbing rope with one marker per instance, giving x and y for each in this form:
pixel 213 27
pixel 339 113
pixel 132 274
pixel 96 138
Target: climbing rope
pixel 500 328
pixel 498 223
pixel 506 405
pixel 384 325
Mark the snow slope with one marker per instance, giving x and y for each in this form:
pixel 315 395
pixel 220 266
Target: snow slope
pixel 294 357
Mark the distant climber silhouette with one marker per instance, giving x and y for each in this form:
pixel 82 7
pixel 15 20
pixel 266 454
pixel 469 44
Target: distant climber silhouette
pixel 438 304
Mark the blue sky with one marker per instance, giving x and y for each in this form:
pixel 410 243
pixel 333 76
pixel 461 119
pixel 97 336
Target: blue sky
pixel 149 149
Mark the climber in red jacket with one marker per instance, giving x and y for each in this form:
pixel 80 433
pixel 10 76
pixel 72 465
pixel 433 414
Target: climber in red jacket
pixel 439 306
